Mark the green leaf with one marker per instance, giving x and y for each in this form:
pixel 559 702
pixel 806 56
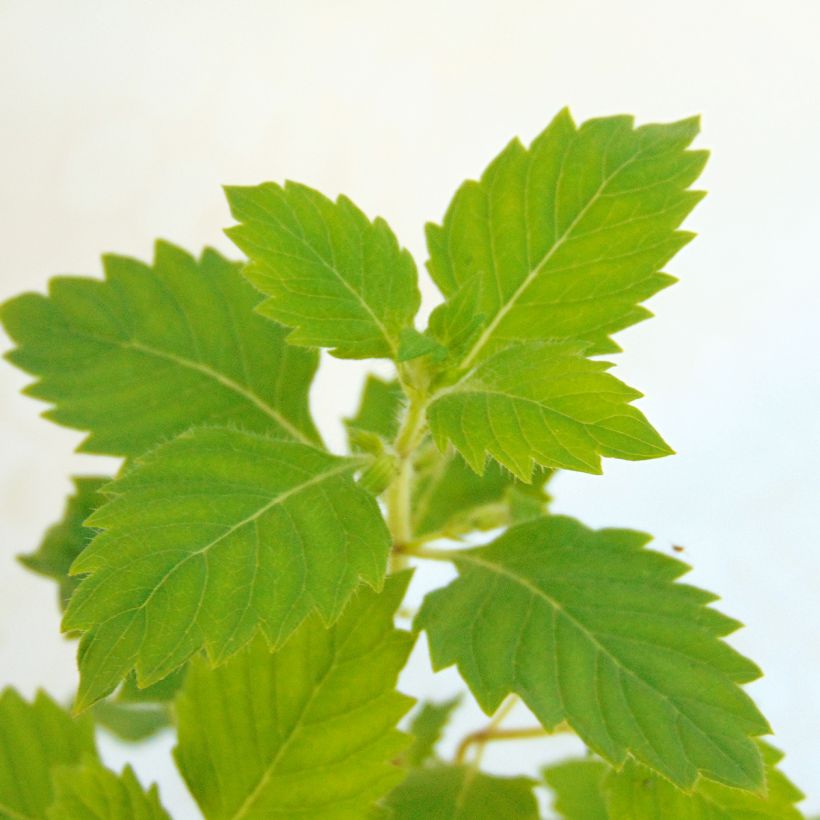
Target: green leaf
pixel 64 541
pixel 635 793
pixel 577 788
pixel 95 793
pixel 413 345
pixel 565 239
pixel 426 728
pixel 151 351
pixel 543 404
pixel 449 497
pixel 211 537
pixel 462 793
pixel 337 278
pixel 131 722
pixel 160 692
pixel 35 737
pixel 308 731
pixel 379 409
pixel 588 627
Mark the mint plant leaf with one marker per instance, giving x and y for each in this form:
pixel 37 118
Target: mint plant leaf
pixel 542 404
pixel 461 793
pixel 577 786
pixel 426 728
pixel 34 738
pixel 450 498
pixel 635 793
pixel 566 238
pixel 308 731
pixel 64 541
pixel 95 793
pixel 151 351
pixel 160 692
pixel 210 538
pixel 588 627
pixel 413 345
pixel 338 279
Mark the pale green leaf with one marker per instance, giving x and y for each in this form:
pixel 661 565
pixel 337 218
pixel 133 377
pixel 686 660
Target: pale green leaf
pixel 211 537
pixel 413 345
pixel 306 732
pixel 131 722
pixel 565 239
pixel 635 793
pixel 426 728
pixel 159 692
pixel 451 498
pixel 95 793
pixel 576 785
pixel 588 627
pixel 379 409
pixel 543 404
pixel 338 279
pixel 151 351
pixel 64 541
pixel 34 738
pixel 462 793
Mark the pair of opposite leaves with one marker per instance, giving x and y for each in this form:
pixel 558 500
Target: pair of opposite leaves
pixel 558 242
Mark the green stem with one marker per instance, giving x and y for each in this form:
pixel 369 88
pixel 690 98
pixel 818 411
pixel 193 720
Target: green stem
pixel 484 736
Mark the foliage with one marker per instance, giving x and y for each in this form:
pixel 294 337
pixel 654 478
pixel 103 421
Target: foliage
pixel 240 582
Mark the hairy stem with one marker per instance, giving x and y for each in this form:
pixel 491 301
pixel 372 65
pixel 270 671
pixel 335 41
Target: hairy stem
pixel 482 737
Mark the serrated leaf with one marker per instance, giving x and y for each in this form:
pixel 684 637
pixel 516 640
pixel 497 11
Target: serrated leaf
pixel 450 497
pixel 566 238
pixel 210 538
pixel 151 351
pixel 340 280
pixel 576 785
pixel 95 793
pixel 543 404
pixel 131 722
pixel 588 627
pixel 426 728
pixel 159 692
pixel 64 541
pixel 462 793
pixel 306 732
pixel 379 409
pixel 635 793
pixel 34 738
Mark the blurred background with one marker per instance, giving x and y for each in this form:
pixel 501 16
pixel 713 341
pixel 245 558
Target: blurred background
pixel 120 121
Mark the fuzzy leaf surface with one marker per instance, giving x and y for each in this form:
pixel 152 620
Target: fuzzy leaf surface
pixel 65 540
pixel 211 537
pixel 95 793
pixel 588 627
pixel 34 738
pixel 565 239
pixel 306 732
pixel 152 350
pixel 379 409
pixel 461 793
pixel 543 404
pixel 338 279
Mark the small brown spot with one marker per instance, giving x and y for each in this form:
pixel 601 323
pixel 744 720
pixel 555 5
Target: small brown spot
pixel 678 548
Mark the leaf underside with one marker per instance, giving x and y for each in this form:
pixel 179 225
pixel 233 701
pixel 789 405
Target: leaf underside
pixel 210 538
pixel 338 279
pixel 589 628
pixel 306 732
pixel 151 351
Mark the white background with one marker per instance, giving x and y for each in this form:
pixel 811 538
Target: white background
pixel 121 120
